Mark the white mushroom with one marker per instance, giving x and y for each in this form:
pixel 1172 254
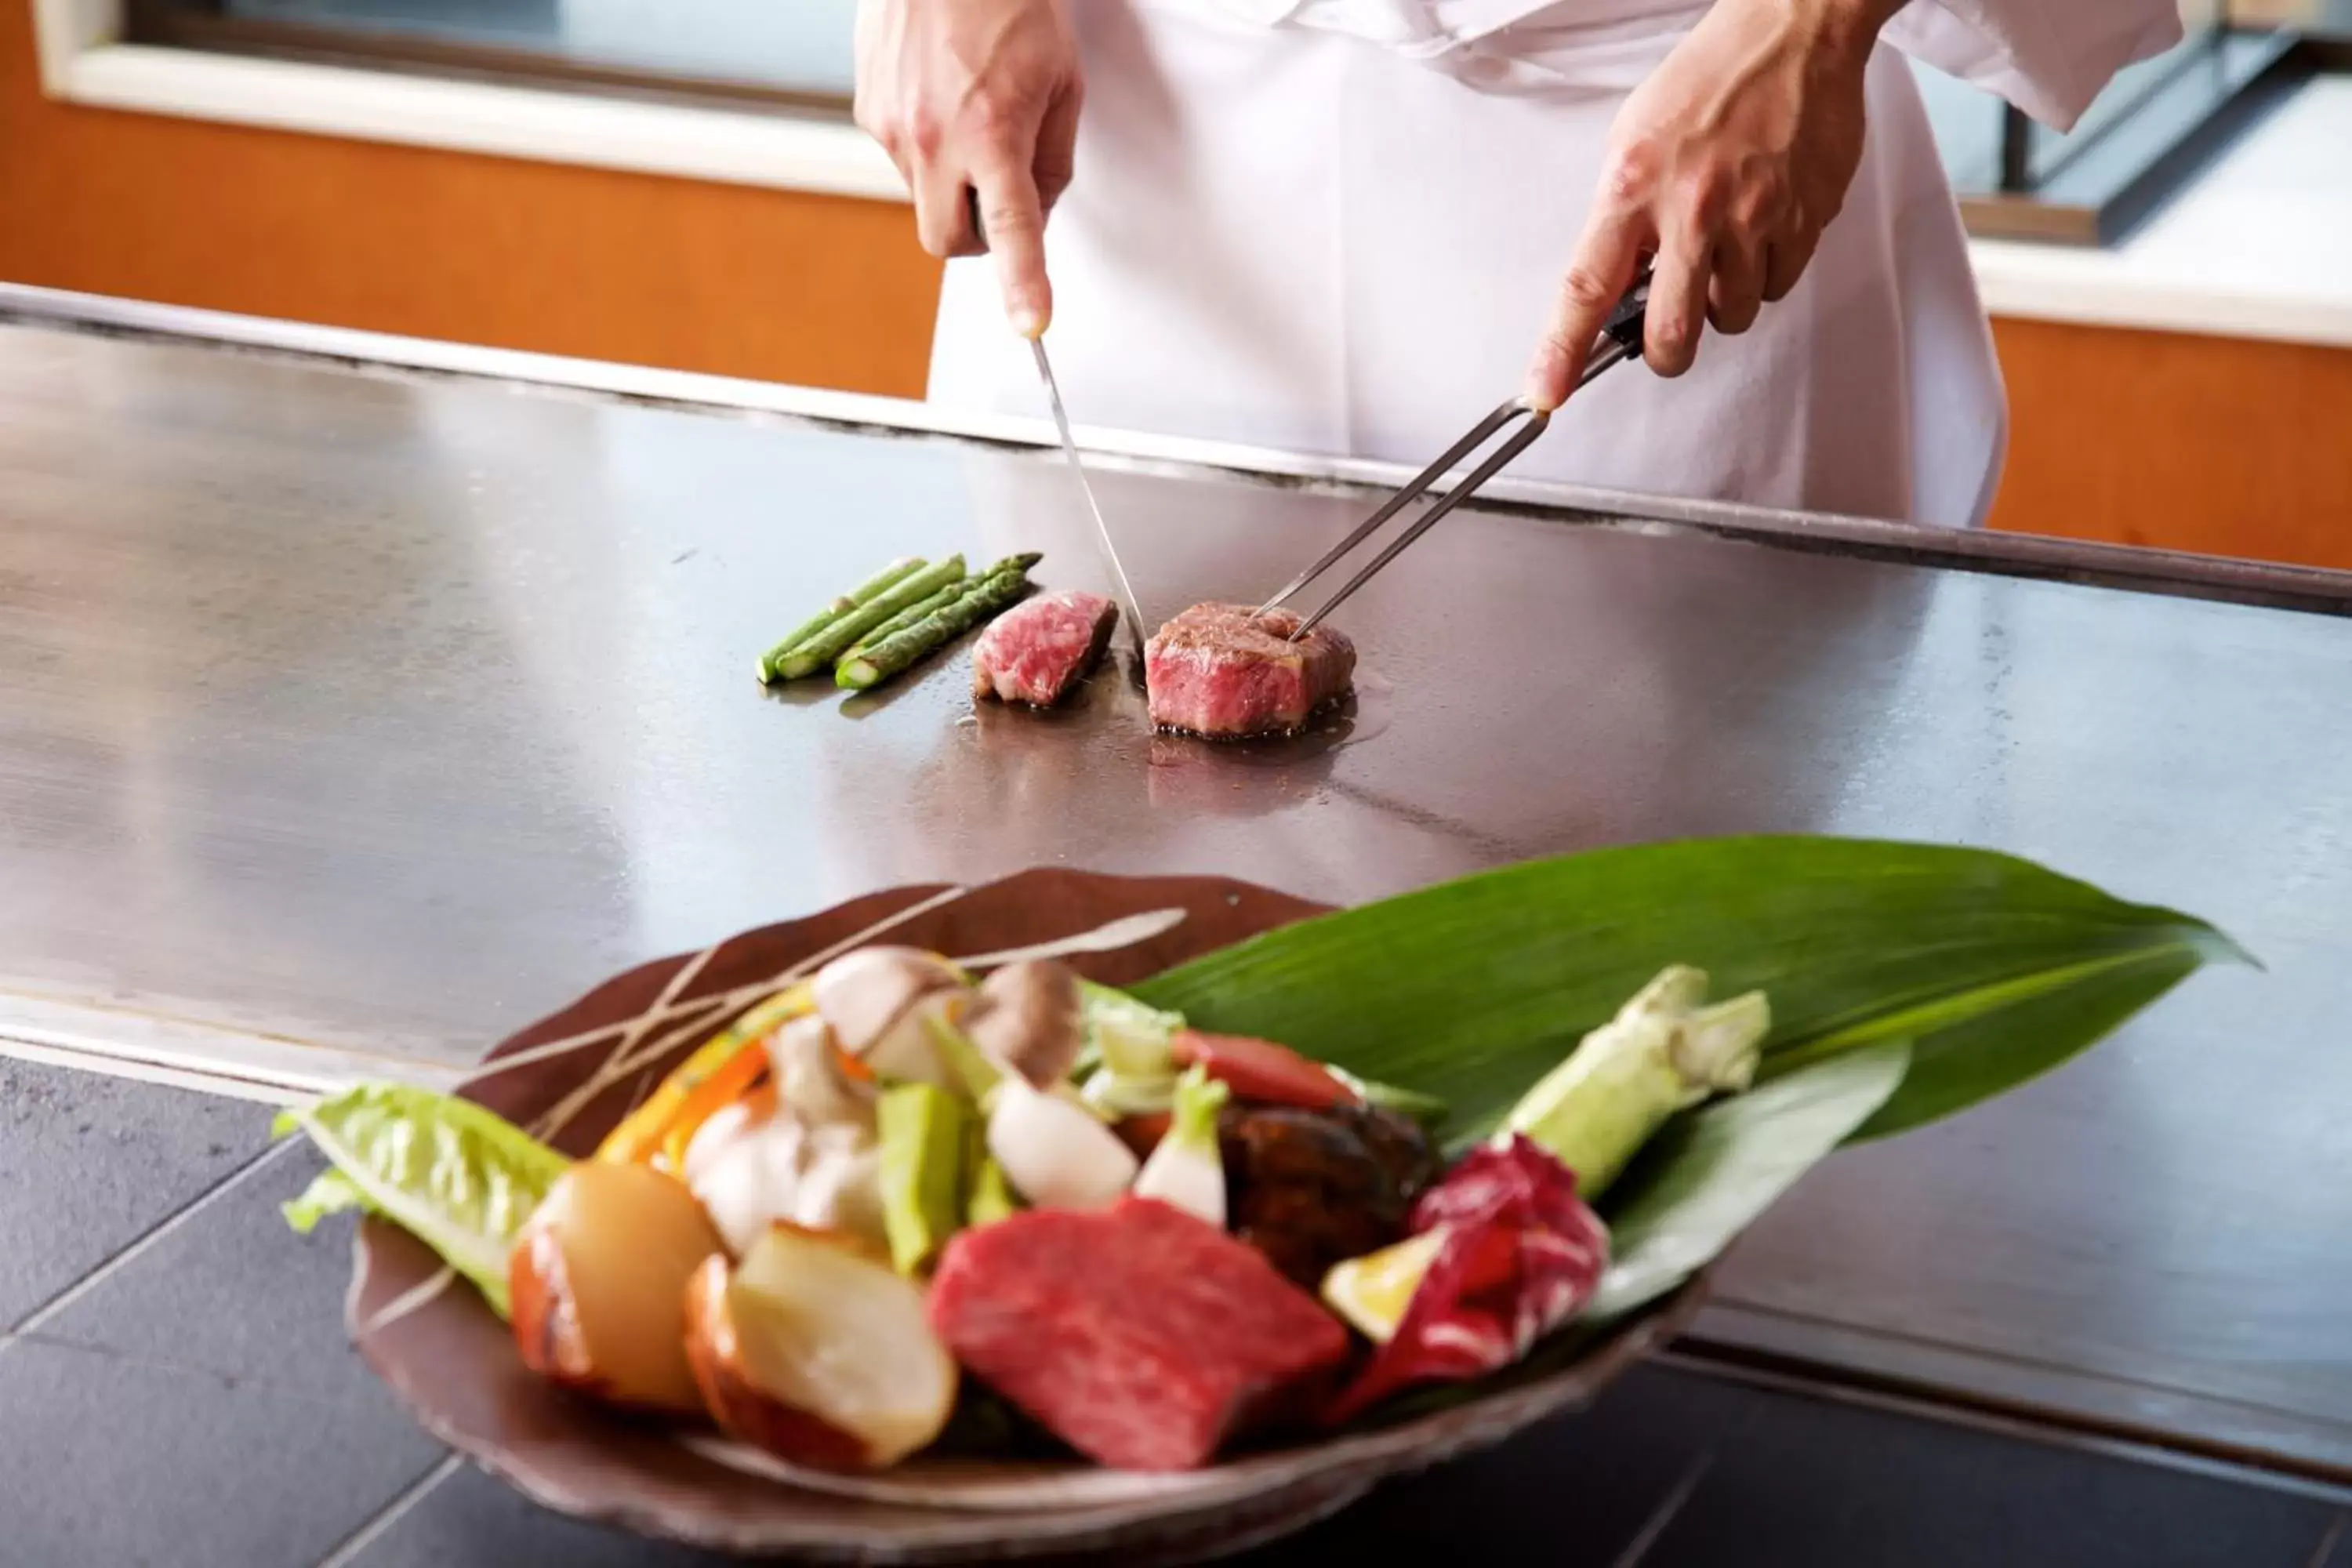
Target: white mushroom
pixel 1028 1021
pixel 882 1005
pixel 1056 1151
pixel 911 1050
pixel 810 1087
pixel 822 1178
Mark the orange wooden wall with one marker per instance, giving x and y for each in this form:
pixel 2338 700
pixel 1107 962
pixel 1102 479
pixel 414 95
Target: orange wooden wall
pixel 2216 444
pixel 724 278
pixel 2138 438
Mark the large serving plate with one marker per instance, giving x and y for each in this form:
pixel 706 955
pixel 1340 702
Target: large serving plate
pixel 452 1362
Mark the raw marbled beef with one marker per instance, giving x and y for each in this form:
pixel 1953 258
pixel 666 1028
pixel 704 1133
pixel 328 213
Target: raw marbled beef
pixel 1140 1336
pixel 1035 652
pixel 1220 672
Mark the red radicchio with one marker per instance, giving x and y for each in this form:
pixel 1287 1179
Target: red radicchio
pixel 1522 1255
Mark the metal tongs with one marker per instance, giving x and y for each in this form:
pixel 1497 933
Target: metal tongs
pixel 1619 339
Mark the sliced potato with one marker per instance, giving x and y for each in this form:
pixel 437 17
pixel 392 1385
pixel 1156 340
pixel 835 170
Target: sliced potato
pixel 598 1279
pixel 813 1348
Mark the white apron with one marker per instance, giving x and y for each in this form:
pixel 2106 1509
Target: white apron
pixel 1337 227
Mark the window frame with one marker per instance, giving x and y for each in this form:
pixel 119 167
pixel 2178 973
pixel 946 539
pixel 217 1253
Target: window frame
pixel 205 25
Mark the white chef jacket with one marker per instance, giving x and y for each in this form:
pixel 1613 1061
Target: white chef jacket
pixel 1336 226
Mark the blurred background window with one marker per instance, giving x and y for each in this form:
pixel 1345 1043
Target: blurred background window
pixel 2154 125
pixel 2016 179
pixel 793 53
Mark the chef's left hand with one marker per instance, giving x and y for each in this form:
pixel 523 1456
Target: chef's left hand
pixel 1725 166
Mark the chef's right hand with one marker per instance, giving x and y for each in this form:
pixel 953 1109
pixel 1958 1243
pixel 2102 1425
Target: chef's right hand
pixel 981 96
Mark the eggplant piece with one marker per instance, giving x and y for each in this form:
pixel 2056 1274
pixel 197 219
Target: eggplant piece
pixel 1313 1188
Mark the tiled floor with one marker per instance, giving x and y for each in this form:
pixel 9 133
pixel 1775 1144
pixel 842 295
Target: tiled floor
pixel 192 1403
pixel 87 1164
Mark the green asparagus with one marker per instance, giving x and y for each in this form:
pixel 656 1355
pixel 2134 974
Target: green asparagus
pixel 842 634
pixel 995 593
pixel 925 1133
pixel 939 600
pixel 913 613
pixel 873 588
pixel 1022 563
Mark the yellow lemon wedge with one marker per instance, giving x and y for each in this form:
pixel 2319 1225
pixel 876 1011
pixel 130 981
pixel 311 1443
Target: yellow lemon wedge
pixel 1372 1292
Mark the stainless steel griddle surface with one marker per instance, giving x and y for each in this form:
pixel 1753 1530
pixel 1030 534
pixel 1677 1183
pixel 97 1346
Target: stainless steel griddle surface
pixel 383 712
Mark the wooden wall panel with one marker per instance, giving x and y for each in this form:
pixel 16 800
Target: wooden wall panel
pixel 704 277
pixel 2216 444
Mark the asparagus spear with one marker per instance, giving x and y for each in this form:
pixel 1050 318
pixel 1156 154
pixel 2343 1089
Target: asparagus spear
pixel 842 634
pixel 873 588
pixel 913 613
pixel 870 666
pixel 1022 564
pixel 940 601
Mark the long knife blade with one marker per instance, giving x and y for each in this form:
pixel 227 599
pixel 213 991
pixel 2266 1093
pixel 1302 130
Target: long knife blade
pixel 1130 612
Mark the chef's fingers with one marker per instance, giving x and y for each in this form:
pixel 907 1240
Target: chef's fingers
pixel 1057 145
pixel 1785 262
pixel 944 210
pixel 1678 285
pixel 1015 221
pixel 1607 258
pixel 1734 294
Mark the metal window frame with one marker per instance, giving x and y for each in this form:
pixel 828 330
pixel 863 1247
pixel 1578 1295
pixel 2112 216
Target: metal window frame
pixel 2093 192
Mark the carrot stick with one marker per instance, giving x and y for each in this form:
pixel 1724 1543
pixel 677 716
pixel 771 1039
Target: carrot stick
pixel 730 1083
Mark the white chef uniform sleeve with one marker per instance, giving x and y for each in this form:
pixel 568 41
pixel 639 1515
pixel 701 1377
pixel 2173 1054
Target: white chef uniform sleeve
pixel 2049 57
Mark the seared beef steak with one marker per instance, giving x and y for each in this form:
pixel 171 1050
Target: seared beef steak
pixel 1220 672
pixel 1035 652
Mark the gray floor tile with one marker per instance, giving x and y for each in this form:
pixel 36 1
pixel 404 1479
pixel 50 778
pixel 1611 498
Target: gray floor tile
pixel 1817 1483
pixel 110 1462
pixel 275 1299
pixel 90 1164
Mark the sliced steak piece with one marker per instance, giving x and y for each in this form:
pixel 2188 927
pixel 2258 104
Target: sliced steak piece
pixel 1034 652
pixel 1220 672
pixel 1139 1335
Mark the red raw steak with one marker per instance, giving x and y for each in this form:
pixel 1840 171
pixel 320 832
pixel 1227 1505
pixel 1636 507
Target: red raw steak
pixel 1220 671
pixel 1140 1336
pixel 1035 652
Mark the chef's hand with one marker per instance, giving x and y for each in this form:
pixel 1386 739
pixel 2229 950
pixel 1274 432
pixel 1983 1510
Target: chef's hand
pixel 976 95
pixel 1725 167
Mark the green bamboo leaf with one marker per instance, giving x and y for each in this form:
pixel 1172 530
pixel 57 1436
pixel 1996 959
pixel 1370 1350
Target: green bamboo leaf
pixel 1995 969
pixel 1707 1176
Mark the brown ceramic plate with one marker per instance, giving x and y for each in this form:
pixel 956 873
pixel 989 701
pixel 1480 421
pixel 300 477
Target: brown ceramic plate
pixel 452 1362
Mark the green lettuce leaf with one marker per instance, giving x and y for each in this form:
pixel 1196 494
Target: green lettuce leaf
pixel 455 1175
pixel 331 1194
